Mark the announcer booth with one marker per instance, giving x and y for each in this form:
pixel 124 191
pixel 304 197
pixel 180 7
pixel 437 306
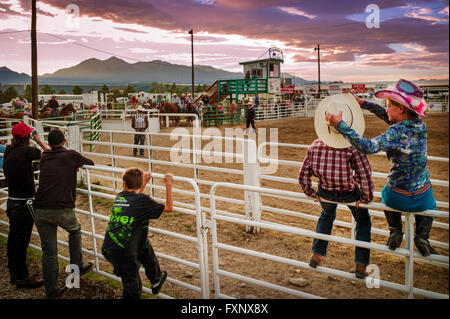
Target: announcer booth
pixel 260 76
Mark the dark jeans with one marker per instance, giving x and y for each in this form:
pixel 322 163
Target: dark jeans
pixel 139 139
pixel 20 226
pixel 127 268
pixel 47 222
pixel 328 215
pixel 252 122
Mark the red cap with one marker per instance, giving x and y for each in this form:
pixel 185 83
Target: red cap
pixel 21 130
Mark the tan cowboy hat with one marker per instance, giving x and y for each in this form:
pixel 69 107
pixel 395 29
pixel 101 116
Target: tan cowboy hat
pixel 352 115
pixel 140 109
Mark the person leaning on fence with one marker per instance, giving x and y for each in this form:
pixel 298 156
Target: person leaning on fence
pixel 405 143
pixel 139 122
pixel 18 170
pixel 54 206
pixel 250 118
pixel 344 176
pixel 126 243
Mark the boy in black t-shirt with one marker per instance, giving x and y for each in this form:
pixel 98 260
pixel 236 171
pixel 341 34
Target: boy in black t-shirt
pixel 126 243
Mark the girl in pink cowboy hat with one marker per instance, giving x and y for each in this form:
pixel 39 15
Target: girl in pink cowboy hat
pixel 405 143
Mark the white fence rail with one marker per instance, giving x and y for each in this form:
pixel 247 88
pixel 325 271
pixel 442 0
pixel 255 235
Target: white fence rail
pixel 408 252
pixel 252 202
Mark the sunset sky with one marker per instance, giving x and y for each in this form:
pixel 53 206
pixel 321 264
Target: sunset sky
pixel 411 41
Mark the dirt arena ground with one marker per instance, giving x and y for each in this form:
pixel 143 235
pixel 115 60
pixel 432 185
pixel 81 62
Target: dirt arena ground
pixel 339 256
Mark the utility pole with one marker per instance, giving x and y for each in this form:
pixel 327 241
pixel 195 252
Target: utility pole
pixel 34 75
pixel 317 48
pixel 191 32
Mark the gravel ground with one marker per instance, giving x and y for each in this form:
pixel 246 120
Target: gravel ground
pixel 89 288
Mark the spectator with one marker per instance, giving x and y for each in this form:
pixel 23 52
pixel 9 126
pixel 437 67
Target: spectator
pixel 18 172
pixel 344 176
pixel 2 152
pixel 139 122
pixel 183 102
pixel 126 243
pixel 205 100
pixel 27 110
pixel 250 118
pixel 189 99
pixel 58 172
pixel 405 143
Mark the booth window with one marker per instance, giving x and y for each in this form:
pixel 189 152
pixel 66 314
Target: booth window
pixel 274 70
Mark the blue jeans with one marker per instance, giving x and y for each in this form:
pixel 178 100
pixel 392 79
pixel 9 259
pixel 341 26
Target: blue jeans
pixel 328 215
pixel 47 222
pixel 139 139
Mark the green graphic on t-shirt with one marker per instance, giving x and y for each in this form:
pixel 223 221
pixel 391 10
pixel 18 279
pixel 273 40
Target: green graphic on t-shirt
pixel 120 225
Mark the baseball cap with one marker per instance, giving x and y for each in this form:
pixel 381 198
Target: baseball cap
pixel 55 137
pixel 21 130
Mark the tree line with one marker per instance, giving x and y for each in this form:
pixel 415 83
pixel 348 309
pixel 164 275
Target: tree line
pixel 155 87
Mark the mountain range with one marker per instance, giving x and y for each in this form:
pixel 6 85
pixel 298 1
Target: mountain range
pixel 117 71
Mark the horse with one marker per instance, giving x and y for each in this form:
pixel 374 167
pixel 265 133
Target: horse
pixel 12 115
pixel 67 110
pixel 167 107
pixel 190 108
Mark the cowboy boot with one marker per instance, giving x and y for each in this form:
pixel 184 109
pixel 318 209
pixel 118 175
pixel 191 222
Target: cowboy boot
pixel 394 220
pixel 423 227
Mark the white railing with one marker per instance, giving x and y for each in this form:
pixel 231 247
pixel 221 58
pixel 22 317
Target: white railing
pixel 377 194
pixel 408 252
pixel 252 202
pixel 200 240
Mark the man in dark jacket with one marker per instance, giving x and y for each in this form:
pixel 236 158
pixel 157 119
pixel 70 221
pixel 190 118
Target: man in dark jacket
pixel 55 203
pixel 250 118
pixel 18 171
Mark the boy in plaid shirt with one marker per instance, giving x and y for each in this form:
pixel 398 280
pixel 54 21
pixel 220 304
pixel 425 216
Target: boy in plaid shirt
pixel 344 176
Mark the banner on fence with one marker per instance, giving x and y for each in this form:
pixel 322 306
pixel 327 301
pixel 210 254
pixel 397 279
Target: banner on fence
pixel 334 89
pixel 287 89
pixel 359 88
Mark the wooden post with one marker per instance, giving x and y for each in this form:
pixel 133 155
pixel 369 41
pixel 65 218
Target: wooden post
pixel 34 73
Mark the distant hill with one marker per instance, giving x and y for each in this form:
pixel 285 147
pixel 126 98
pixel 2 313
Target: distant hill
pixel 117 71
pixel 9 76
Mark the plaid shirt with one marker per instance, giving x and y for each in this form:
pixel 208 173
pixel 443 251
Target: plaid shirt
pixel 338 170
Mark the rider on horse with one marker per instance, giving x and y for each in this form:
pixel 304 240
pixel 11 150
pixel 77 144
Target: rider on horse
pixel 176 100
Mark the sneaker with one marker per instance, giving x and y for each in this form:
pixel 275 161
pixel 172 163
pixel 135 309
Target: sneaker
pixel 315 260
pixel 85 268
pixel 360 271
pixel 157 287
pixel 30 282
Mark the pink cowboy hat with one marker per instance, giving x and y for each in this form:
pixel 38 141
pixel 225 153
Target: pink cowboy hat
pixel 406 93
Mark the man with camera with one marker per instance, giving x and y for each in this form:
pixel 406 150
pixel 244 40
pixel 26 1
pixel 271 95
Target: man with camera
pixel 18 170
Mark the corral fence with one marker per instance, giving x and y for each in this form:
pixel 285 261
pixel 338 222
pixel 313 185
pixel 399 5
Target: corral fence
pixel 205 188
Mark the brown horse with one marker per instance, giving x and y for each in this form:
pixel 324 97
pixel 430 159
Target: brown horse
pixel 191 109
pixel 66 111
pixel 11 115
pixel 167 107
